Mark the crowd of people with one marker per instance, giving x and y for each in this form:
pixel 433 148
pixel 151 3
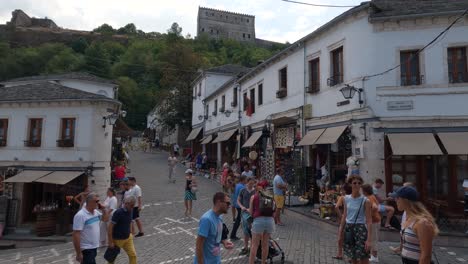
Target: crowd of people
pixel 109 223
pixel 361 211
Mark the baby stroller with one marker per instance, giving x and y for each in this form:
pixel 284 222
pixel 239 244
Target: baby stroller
pixel 274 250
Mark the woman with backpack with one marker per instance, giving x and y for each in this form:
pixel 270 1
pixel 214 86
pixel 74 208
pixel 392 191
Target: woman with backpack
pixel 356 215
pixel 261 209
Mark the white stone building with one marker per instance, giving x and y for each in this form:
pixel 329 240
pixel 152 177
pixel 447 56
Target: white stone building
pixel 56 137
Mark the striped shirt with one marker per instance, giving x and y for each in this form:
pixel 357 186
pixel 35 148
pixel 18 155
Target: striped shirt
pixel 88 225
pixel 411 248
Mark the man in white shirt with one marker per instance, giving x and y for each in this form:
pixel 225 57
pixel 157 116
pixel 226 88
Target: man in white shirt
pixel 135 191
pixel 176 150
pixel 171 162
pixel 247 172
pixel 86 232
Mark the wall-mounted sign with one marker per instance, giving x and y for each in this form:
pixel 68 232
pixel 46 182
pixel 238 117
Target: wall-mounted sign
pixel 345 102
pixel 399 105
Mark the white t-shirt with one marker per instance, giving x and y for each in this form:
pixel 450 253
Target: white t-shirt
pixel 111 203
pixel 172 161
pixel 88 224
pixel 134 191
pixel 176 147
pixel 247 174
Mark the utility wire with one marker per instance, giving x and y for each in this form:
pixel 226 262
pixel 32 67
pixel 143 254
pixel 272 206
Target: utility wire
pixel 318 5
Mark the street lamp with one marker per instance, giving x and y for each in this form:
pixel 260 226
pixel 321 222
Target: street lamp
pixel 112 118
pixel 227 113
pixel 349 92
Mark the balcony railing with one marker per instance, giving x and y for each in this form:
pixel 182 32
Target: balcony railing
pixel 3 142
pixel 411 80
pixel 335 80
pixel 313 88
pixel 32 143
pixel 65 143
pixel 214 113
pixel 234 104
pixel 222 109
pixel 459 77
pixel 281 93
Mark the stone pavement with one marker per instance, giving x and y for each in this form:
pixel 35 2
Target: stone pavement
pixel 170 237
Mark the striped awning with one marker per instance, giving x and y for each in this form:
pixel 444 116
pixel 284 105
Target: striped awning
pixel 223 136
pixel 194 133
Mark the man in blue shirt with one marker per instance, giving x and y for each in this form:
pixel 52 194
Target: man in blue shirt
pixel 120 229
pixel 279 189
pixel 209 239
pixel 239 187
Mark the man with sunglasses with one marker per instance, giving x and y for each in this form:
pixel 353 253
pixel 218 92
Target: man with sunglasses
pixel 210 232
pixel 86 231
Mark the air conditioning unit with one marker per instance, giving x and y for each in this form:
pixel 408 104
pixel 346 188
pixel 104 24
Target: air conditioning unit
pixel 281 93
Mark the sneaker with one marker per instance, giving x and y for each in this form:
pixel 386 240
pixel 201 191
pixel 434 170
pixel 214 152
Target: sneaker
pixel 140 234
pixel 374 259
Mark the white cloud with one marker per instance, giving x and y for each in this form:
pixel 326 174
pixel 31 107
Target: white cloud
pixel 275 19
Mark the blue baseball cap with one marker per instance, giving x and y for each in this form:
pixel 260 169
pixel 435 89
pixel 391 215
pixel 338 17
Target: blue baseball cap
pixel 406 192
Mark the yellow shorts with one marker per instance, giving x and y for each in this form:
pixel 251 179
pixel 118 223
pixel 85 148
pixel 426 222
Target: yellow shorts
pixel 279 201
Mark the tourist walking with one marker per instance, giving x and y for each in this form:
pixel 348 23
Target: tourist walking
pixel 368 192
pixel 244 203
pixel 224 176
pixel 384 210
pixel 176 150
pixel 190 192
pixel 110 205
pixel 262 209
pixel 339 208
pixel 419 229
pixel 279 189
pixel 231 185
pixel 135 191
pixel 172 162
pixel 247 172
pixel 237 191
pixel 356 215
pixel 210 232
pixel 120 229
pixel 198 163
pixel 86 233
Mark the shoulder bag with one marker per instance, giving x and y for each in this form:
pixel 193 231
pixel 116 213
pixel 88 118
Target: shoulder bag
pixel 349 233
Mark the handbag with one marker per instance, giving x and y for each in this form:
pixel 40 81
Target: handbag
pixel 349 234
pixel 111 253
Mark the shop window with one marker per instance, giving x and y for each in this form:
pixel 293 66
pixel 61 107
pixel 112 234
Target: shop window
pixel 457 65
pixel 67 133
pixel 336 67
pixel 461 171
pixel 3 132
pixel 243 35
pixel 437 176
pixel 234 97
pixel 404 169
pixel 252 100
pixel 260 94
pixel 314 76
pixel 409 69
pixel 34 133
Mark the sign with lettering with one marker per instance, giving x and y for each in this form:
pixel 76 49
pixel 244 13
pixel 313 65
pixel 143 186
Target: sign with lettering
pixel 346 102
pixel 399 105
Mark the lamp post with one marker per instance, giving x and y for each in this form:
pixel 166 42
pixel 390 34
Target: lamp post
pixel 348 92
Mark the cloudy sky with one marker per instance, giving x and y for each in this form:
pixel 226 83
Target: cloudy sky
pixel 275 19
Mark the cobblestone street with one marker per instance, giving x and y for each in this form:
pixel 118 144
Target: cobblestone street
pixel 170 237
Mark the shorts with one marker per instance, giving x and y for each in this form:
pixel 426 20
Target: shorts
pixel 135 213
pixel 198 166
pixel 246 223
pixel 279 201
pixel 381 209
pixel 375 236
pixel 263 224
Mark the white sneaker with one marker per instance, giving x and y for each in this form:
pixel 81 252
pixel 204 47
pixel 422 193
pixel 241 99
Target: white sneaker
pixel 374 259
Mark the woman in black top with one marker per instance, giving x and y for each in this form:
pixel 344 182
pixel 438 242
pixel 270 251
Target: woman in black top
pixel 190 187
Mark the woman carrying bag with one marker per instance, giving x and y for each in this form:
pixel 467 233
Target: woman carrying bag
pixel 356 216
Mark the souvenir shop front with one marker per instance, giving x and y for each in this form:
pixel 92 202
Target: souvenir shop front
pixel 254 153
pixel 43 198
pixel 436 162
pixel 195 138
pixel 330 149
pixel 228 145
pixel 211 150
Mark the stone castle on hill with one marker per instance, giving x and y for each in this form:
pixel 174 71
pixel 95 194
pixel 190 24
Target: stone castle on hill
pixel 219 24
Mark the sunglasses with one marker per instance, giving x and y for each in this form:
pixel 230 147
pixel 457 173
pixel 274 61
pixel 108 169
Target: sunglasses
pixel 357 183
pixel 227 203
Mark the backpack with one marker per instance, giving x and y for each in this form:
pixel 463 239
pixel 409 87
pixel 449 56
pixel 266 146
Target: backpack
pixel 266 204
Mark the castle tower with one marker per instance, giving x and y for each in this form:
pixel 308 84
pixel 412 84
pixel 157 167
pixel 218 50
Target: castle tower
pixel 220 24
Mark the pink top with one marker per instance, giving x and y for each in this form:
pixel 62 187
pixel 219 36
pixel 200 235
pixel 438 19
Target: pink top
pixel 224 176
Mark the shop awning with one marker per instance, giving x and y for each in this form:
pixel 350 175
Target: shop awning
pixel 456 143
pixel 207 139
pixel 60 177
pixel 223 136
pixel 252 139
pixel 194 133
pixel 311 137
pixel 330 135
pixel 28 176
pixel 414 144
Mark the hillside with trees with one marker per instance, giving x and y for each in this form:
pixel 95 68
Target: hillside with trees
pixel 151 68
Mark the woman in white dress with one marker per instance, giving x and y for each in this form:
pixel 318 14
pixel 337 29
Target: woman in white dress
pixel 110 204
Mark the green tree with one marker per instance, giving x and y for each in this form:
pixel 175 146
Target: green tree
pixel 97 60
pixel 80 45
pixel 129 29
pixel 65 61
pixel 105 29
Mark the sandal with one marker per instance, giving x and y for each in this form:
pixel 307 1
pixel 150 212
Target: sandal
pixel 390 227
pixel 337 257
